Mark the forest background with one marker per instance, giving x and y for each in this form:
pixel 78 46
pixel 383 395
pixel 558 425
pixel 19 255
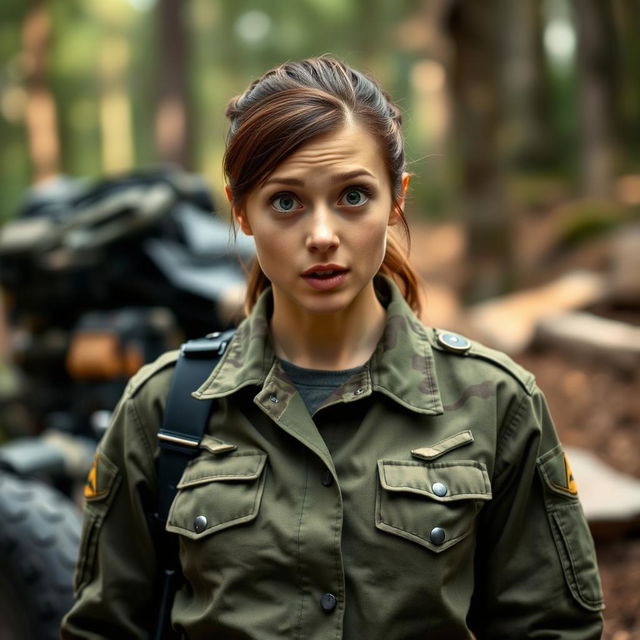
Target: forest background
pixel 522 122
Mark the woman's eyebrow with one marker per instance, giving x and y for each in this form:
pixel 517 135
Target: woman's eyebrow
pixel 339 177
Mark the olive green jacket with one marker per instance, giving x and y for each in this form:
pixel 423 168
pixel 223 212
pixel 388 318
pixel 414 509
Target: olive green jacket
pixel 445 505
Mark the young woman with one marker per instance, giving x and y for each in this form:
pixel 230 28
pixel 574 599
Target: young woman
pixel 361 476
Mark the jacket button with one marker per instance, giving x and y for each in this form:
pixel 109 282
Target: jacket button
pixel 327 479
pixel 437 535
pixel 200 524
pixel 274 399
pixel 454 342
pixel 328 602
pixel 440 489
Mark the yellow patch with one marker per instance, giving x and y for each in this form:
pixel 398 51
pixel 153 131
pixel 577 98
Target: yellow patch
pixel 570 486
pixel 91 485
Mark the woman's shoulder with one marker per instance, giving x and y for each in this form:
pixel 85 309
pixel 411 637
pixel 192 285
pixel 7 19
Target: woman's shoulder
pixel 153 377
pixel 470 358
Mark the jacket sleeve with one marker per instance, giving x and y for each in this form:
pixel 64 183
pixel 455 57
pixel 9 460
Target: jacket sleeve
pixel 536 570
pixel 116 571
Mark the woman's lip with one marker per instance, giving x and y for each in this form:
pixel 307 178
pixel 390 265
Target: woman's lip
pixel 324 267
pixel 325 284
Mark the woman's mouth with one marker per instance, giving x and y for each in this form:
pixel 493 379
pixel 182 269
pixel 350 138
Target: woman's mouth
pixel 325 278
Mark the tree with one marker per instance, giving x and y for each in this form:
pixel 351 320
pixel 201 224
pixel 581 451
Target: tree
pixel 172 120
pixel 597 91
pixel 41 116
pixel 474 82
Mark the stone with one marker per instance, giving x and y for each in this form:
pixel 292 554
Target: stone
pixel 610 499
pixel 509 323
pixel 589 336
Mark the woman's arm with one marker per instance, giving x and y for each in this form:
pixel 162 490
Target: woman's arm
pixel 536 572
pixel 116 575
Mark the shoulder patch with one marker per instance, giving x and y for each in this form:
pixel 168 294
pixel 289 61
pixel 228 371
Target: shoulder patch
pixel 101 478
pixel 149 370
pixel 455 343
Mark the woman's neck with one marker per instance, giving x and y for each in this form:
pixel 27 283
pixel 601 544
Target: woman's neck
pixel 329 341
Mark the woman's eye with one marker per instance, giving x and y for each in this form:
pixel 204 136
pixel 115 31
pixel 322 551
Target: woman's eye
pixel 355 197
pixel 285 202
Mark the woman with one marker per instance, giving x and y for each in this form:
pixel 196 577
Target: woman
pixel 361 476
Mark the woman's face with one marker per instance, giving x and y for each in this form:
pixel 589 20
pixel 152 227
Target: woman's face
pixel 320 221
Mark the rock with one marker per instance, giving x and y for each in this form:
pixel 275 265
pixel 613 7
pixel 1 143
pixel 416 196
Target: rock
pixel 624 282
pixel 610 499
pixel 509 323
pixel 587 335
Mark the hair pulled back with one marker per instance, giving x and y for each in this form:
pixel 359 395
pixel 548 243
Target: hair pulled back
pixel 291 105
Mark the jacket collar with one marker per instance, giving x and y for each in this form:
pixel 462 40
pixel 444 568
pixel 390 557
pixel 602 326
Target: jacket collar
pixel 401 367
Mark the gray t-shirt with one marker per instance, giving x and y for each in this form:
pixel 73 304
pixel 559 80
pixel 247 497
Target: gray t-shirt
pixel 316 385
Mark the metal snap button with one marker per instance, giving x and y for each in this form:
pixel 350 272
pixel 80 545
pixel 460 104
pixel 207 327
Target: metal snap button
pixel 200 524
pixel 359 391
pixel 439 489
pixel 274 399
pixel 437 535
pixel 454 342
pixel 328 602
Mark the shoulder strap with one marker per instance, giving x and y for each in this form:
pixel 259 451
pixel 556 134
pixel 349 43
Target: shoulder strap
pixel 185 418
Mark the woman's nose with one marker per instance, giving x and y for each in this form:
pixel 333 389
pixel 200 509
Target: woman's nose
pixel 322 235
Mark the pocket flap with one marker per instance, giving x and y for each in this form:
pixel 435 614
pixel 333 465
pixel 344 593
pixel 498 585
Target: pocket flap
pixel 235 467
pixel 441 481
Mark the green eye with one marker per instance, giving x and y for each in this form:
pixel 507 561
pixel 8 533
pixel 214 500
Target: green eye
pixel 284 202
pixel 355 197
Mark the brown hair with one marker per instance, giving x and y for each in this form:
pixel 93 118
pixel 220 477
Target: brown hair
pixel 294 103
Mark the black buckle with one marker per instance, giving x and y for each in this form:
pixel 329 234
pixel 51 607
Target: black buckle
pixel 213 343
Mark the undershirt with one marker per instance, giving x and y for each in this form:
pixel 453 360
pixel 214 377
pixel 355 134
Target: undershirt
pixel 316 385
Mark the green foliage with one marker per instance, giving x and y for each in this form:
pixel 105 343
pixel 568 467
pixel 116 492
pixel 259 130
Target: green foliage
pixel 587 219
pixel 232 42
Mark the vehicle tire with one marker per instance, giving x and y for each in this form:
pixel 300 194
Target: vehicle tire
pixel 39 539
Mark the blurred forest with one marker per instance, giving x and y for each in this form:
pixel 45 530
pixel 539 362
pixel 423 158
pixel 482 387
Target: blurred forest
pixel 522 123
pixel 509 106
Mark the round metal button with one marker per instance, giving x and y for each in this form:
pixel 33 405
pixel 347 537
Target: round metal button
pixel 440 489
pixel 200 524
pixel 359 391
pixel 437 535
pixel 327 480
pixel 454 342
pixel 274 399
pixel 328 602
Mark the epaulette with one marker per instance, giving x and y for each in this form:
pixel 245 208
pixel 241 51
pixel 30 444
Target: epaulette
pixel 451 342
pixel 149 370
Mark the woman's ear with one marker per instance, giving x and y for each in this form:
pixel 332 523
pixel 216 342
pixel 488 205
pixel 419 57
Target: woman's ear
pixel 394 216
pixel 237 214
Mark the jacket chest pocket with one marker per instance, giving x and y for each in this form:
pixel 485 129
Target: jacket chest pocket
pixel 433 504
pixel 217 492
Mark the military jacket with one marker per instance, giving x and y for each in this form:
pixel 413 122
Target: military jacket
pixel 448 509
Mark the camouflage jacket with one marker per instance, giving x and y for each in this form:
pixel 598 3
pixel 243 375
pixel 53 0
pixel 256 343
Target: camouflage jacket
pixel 450 508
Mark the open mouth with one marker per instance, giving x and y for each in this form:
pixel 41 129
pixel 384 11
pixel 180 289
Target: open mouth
pixel 325 275
pixel 326 278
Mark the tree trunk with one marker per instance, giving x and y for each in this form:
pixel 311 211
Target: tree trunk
pixel 172 131
pixel 474 80
pixel 597 91
pixel 41 117
pixel 529 138
pixel 115 103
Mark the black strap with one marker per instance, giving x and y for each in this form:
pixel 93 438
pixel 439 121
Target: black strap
pixel 185 417
pixel 185 420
